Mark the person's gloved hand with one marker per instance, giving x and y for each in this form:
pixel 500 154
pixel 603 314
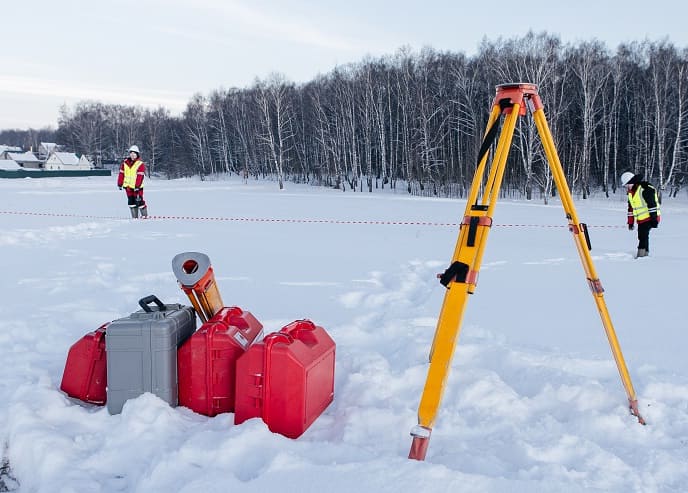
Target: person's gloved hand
pixel 653 222
pixel 630 227
pixel 119 187
pixel 136 189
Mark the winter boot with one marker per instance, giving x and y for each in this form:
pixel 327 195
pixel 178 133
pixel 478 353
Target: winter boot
pixel 134 212
pixel 144 212
pixel 641 253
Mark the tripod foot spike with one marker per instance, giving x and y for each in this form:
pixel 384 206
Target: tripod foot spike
pixel 419 445
pixel 633 407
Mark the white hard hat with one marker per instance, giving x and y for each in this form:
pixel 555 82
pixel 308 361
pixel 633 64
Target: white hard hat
pixel 626 177
pixel 135 149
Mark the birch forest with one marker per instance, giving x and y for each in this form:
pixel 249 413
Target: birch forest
pixel 414 121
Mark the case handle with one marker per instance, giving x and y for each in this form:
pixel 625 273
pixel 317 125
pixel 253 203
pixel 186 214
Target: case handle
pixel 151 298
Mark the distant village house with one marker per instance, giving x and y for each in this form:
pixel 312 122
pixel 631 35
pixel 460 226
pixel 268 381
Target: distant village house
pixel 24 159
pixel 46 148
pixel 66 161
pixel 6 148
pixel 9 165
pixel 50 157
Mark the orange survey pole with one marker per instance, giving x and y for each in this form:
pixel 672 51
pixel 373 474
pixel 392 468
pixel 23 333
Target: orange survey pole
pixel 460 279
pixel 197 280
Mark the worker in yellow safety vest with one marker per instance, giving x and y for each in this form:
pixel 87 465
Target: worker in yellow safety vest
pixel 643 208
pixel 131 174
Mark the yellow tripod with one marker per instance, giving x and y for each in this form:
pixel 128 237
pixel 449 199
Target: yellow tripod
pixel 512 100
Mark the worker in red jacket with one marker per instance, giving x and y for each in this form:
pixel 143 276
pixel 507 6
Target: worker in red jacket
pixel 643 208
pixel 131 174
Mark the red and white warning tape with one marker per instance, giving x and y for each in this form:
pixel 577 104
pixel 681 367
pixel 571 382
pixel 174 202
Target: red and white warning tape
pixel 304 220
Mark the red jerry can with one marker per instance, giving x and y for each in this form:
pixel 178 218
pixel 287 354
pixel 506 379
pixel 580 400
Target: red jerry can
pixel 85 373
pixel 288 379
pixel 206 362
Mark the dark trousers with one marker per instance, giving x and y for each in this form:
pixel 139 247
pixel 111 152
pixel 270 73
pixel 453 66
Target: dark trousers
pixel 644 235
pixel 134 198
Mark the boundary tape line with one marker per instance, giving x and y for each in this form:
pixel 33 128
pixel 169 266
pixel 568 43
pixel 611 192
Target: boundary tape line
pixel 286 220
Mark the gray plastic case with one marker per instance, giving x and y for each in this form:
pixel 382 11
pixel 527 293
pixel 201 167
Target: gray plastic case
pixel 141 352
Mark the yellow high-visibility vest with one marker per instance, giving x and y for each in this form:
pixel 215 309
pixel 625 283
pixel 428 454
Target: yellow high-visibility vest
pixel 130 173
pixel 640 208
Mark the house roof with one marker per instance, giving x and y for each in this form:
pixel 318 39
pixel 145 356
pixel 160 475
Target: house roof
pixel 65 157
pixel 7 148
pixel 23 157
pixel 8 164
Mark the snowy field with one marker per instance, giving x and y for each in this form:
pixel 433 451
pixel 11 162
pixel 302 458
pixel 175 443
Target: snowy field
pixel 534 401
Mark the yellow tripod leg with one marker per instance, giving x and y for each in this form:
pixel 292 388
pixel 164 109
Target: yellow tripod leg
pixel 467 256
pixel 578 231
pixel 472 199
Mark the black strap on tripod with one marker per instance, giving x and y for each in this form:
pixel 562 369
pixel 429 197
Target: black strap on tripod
pixel 492 131
pixel 457 272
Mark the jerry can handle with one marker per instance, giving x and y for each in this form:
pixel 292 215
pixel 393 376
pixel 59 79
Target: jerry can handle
pixel 302 330
pixel 151 298
pixel 298 326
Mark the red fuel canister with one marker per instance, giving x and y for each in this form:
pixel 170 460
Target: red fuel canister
pixel 206 362
pixel 85 373
pixel 288 379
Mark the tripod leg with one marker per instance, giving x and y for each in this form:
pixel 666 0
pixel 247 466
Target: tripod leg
pixel 578 231
pixel 462 280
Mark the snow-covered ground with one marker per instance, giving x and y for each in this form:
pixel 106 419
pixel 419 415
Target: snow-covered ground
pixel 534 401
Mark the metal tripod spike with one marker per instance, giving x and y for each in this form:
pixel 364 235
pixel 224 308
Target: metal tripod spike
pixel 460 279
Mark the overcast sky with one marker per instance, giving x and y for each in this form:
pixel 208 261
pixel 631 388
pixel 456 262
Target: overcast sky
pixel 161 52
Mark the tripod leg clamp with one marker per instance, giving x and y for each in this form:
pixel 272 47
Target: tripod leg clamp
pixel 473 222
pixel 457 272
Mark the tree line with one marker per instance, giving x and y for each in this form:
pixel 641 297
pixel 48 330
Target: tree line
pixel 417 119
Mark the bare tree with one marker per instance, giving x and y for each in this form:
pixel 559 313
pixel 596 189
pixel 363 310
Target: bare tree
pixel 325 134
pixel 196 123
pixel 679 153
pixel 275 100
pixel 667 81
pixel 84 126
pixel 534 59
pixel 219 138
pixel 154 123
pixel 589 65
